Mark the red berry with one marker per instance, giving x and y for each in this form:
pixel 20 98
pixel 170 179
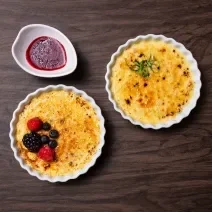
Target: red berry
pixel 34 124
pixel 46 153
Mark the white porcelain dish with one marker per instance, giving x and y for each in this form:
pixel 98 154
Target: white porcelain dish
pixel 194 68
pixel 29 33
pixel 14 121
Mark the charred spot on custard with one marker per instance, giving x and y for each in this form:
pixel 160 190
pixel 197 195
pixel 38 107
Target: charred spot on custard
pixel 170 114
pixel 190 84
pixel 162 50
pixel 127 101
pixel 185 73
pixel 62 121
pixel 145 84
pixel 179 66
pixel 146 101
pixel 47 166
pixel 80 101
pixel 136 84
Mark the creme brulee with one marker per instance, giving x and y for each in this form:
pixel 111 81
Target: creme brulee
pixel 77 123
pixel 151 81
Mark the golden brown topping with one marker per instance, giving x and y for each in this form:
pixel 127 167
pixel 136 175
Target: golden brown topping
pixel 31 156
pixel 147 101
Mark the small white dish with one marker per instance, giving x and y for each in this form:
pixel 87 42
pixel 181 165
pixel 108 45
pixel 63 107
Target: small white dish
pixel 194 68
pixel 28 34
pixel 14 121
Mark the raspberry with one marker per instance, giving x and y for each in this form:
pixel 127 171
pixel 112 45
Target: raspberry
pixel 46 154
pixel 32 141
pixel 34 124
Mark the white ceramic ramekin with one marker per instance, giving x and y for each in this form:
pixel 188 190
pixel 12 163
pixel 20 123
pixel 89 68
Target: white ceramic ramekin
pixel 14 121
pixel 29 33
pixel 194 68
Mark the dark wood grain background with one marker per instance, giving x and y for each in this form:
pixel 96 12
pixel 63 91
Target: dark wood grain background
pixel 140 170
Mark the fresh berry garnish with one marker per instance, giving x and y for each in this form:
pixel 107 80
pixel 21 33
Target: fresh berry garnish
pixel 34 124
pixel 32 141
pixel 46 126
pixel 54 134
pixel 53 144
pixel 46 153
pixel 44 139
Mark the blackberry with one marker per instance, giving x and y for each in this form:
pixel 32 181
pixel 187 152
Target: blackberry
pixel 32 141
pixel 46 126
pixel 53 134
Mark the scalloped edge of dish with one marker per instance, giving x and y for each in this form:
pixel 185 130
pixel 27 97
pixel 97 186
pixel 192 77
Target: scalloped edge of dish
pixel 14 121
pixel 194 69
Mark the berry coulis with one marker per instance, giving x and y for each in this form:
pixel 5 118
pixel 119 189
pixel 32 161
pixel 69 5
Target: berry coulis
pixel 46 53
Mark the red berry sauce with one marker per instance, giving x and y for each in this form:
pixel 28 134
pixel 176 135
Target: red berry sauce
pixel 46 53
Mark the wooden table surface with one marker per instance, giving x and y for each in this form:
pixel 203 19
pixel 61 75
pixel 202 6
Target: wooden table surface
pixel 140 170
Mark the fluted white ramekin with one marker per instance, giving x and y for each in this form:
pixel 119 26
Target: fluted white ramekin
pixel 14 121
pixel 194 68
